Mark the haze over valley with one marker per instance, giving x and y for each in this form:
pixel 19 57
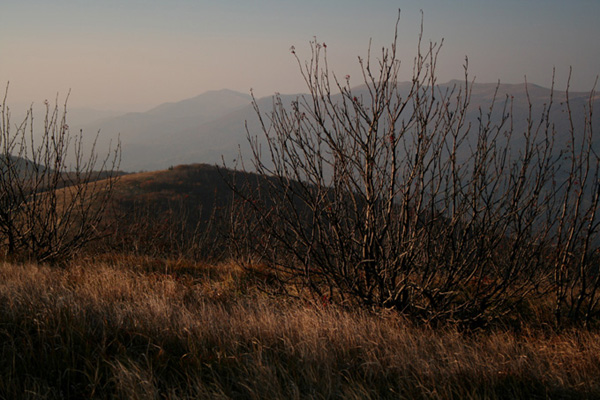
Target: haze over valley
pixel 211 128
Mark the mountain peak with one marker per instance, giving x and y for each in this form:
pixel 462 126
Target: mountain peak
pixel 212 99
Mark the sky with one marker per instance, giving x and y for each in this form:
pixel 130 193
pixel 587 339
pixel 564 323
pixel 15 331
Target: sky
pixel 131 55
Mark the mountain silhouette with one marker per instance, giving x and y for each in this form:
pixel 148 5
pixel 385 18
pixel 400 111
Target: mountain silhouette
pixel 213 126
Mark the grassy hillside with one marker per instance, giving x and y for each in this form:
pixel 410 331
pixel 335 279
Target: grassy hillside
pixel 196 184
pixel 177 212
pixel 115 328
pixel 139 316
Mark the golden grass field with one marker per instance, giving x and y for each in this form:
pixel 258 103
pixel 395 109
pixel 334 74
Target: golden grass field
pixel 141 328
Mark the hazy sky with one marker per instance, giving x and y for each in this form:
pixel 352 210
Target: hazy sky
pixel 130 55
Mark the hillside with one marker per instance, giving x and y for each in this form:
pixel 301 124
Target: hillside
pixel 141 317
pixel 179 211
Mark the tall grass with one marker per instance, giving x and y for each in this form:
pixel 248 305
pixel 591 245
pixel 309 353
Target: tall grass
pixel 134 328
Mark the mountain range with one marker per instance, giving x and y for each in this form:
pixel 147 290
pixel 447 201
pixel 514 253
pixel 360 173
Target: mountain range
pixel 211 128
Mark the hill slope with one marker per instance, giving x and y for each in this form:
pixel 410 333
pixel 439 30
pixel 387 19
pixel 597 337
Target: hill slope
pixel 173 212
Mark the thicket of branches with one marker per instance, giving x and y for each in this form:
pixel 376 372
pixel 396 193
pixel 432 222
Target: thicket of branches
pixel 52 191
pixel 388 196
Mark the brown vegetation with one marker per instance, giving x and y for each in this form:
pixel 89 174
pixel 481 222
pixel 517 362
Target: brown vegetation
pixel 119 329
pixel 181 212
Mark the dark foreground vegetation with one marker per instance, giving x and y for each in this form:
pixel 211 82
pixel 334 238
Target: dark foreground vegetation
pixel 119 328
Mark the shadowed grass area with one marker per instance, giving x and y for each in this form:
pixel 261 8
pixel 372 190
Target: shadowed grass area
pixel 129 328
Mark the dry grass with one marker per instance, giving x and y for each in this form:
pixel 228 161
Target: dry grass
pixel 138 328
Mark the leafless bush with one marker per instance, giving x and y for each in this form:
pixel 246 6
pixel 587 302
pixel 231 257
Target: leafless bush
pixel 52 192
pixel 387 195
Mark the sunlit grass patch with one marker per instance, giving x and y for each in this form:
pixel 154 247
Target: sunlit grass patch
pixel 119 330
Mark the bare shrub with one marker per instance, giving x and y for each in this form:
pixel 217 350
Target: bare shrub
pixel 387 195
pixel 52 192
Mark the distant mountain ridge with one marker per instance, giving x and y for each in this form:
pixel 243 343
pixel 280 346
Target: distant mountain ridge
pixel 208 104
pixel 212 126
pixel 20 165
